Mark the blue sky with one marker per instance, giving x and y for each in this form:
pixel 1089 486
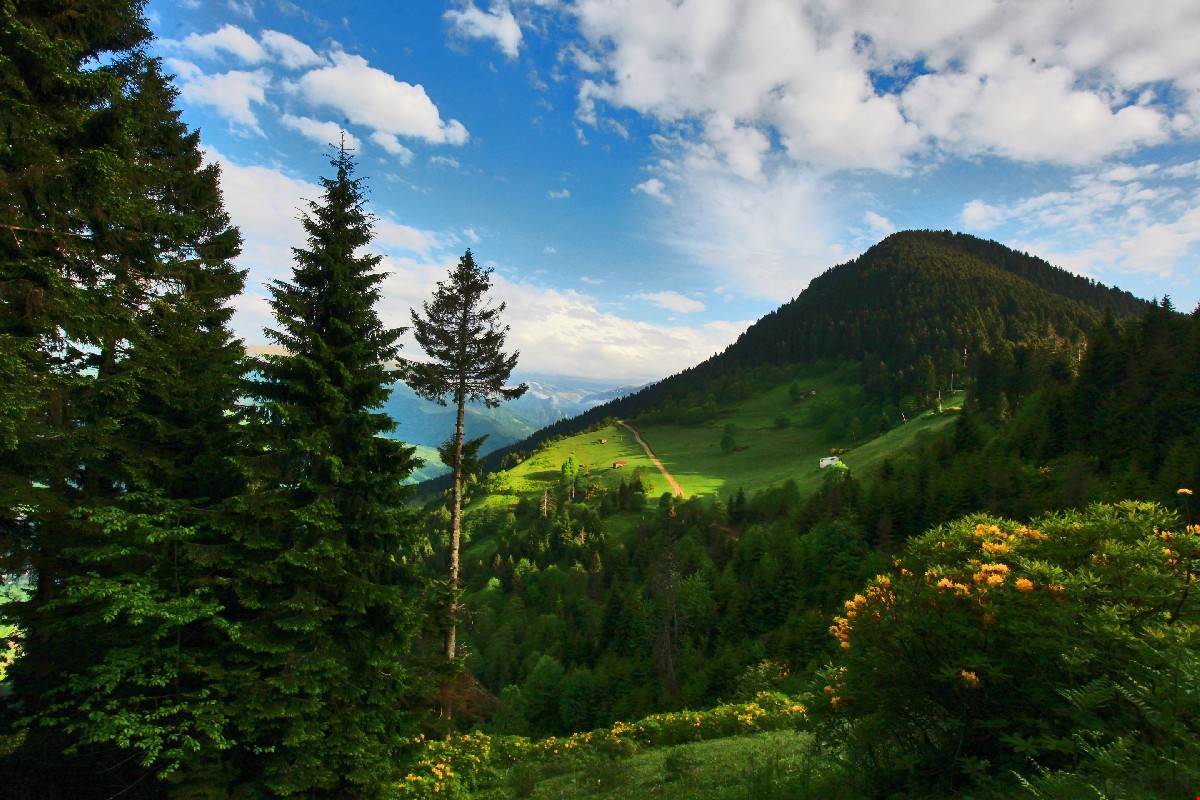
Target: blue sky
pixel 649 176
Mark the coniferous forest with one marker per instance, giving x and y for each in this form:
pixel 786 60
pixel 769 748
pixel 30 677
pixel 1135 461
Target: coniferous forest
pixel 220 581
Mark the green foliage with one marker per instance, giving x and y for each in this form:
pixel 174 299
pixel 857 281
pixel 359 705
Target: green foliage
pixel 991 645
pixel 728 439
pixel 320 679
pixel 118 427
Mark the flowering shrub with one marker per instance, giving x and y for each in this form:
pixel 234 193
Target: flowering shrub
pixel 457 765
pixel 994 645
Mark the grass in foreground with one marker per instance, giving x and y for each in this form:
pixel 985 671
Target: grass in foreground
pixel 777 764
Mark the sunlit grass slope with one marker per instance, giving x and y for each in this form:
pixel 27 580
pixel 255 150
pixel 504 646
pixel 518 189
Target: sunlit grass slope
pixel 767 453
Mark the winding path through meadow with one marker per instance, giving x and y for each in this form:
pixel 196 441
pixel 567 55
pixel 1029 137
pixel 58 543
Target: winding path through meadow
pixel 670 479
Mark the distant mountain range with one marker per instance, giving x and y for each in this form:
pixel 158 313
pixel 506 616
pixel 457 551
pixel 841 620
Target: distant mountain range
pixel 550 398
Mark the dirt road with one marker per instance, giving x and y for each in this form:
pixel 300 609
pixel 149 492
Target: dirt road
pixel 670 479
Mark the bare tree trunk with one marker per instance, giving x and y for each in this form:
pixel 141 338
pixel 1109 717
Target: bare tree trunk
pixel 456 524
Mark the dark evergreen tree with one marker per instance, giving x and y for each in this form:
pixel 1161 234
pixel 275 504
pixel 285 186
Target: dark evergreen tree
pixel 114 276
pixel 322 681
pixel 462 333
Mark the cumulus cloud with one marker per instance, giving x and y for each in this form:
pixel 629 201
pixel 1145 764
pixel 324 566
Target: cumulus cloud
pixel 228 39
pixel 559 194
pixel 231 94
pixel 497 24
pixel 870 85
pixel 655 188
pixel 672 301
pixel 321 132
pixel 290 51
pixel 980 216
pixel 374 98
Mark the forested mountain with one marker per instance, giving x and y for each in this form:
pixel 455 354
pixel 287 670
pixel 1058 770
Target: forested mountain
pixel 916 309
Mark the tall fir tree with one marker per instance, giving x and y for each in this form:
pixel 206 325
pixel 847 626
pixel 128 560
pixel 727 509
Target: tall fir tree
pixel 116 277
pixel 462 334
pixel 330 603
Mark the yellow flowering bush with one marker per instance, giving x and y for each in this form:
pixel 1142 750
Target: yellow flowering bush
pixel 458 765
pixel 995 645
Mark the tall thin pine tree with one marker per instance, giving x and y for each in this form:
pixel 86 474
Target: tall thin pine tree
pixel 464 338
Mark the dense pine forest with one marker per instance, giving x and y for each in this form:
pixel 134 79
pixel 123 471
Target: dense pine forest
pixel 218 581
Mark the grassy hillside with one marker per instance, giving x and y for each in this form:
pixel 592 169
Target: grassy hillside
pixel 915 310
pixel 767 453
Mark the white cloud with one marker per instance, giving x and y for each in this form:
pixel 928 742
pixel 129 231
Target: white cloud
pixel 980 216
pixel 567 332
pixel 396 237
pixel 558 194
pixel 1123 219
pixel 672 301
pixel 323 133
pixel 231 94
pixel 836 81
pixel 879 225
pixel 290 51
pixel 228 39
pixel 471 235
pixel 557 331
pixel 374 98
pixel 497 24
pixel 184 70
pixel 444 161
pixel 550 250
pixel 655 188
pixel 392 146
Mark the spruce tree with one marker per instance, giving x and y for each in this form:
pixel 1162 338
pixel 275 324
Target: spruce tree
pixel 322 678
pixel 114 279
pixel 462 334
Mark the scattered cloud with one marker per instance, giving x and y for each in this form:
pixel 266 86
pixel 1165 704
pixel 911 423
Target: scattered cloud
pixel 231 94
pixel 228 39
pixel 550 250
pixel 323 133
pixel 557 331
pixel 289 51
pixel 498 24
pixel 878 225
pixel 980 216
pixel 374 98
pixel 471 235
pixel 655 188
pixel 391 145
pixel 559 194
pixel 445 161
pixel 672 301
pixel 393 236
pixel 1121 219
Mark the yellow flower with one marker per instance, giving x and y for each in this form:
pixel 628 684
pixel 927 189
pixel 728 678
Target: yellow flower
pixel 969 678
pixel 995 580
pixel 1024 585
pixel 995 548
pixel 1183 491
